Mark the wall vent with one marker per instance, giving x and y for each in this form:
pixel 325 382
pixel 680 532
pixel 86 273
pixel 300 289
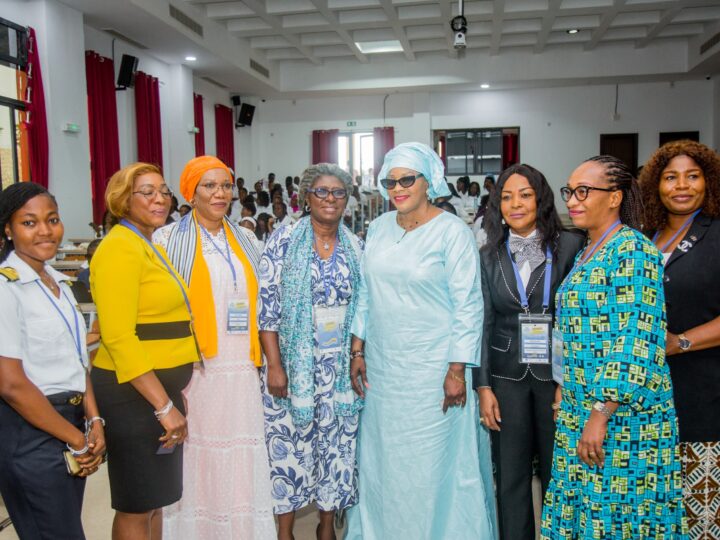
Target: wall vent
pixel 114 33
pixel 710 43
pixel 213 81
pixel 262 70
pixel 186 20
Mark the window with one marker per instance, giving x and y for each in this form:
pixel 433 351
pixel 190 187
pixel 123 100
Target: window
pixel 476 151
pixel 356 155
pixel 14 165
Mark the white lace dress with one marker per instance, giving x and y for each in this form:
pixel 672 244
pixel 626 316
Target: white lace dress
pixel 226 486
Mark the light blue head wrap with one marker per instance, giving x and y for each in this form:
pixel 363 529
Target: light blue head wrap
pixel 421 158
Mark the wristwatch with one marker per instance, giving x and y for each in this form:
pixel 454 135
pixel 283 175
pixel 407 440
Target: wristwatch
pixel 684 343
pixel 600 407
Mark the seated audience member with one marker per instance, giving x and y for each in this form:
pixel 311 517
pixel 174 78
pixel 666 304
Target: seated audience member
pixel 249 223
pixel 47 405
pixel 174 214
pixel 447 207
pixel 84 274
pixel 258 187
pixel 184 209
pixel 263 204
pixel 270 181
pixel 240 183
pixel 248 209
pixel 281 215
pixel 264 227
pixel 108 222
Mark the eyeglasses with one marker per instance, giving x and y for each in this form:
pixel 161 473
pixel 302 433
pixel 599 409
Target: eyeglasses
pixel 581 192
pixel 405 181
pixel 150 194
pixel 322 193
pixel 212 187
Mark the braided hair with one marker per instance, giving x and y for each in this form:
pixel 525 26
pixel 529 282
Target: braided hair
pixel 12 199
pixel 619 175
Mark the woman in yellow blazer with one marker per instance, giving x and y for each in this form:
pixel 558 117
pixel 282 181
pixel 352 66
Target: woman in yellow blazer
pixel 146 355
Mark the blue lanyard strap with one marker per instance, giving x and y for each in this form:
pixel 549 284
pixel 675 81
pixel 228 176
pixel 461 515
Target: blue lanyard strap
pixel 585 257
pixel 134 229
pixel 225 255
pixel 331 262
pixel 524 303
pixel 680 230
pixel 76 334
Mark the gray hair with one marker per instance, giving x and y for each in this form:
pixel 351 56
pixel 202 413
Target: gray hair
pixel 313 172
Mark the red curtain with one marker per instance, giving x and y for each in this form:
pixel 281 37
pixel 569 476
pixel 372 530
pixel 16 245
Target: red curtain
pixel 199 124
pixel 35 122
pixel 225 135
pixel 103 127
pixel 325 146
pixel 383 142
pixel 511 153
pixel 147 116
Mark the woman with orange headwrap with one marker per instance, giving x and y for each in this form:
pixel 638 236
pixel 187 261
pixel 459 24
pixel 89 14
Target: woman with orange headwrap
pixel 226 472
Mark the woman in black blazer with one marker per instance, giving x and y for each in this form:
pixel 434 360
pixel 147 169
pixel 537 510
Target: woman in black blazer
pixel 681 188
pixel 515 383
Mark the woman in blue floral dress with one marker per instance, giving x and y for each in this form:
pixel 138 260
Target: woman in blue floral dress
pixel 616 465
pixel 308 274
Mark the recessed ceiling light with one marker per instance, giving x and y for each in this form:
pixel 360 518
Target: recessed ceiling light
pixel 190 58
pixel 485 86
pixel 573 31
pixel 371 47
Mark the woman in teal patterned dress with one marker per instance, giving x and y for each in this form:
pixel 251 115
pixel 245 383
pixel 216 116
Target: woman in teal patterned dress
pixel 616 466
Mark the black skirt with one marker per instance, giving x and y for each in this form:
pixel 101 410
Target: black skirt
pixel 140 479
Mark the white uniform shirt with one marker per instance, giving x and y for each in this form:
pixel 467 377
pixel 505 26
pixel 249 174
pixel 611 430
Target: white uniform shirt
pixel 34 332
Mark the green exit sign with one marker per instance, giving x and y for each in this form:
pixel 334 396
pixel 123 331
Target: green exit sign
pixel 351 123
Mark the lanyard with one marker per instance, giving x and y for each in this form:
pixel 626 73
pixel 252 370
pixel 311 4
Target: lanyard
pixel 75 335
pixel 674 236
pixel 134 229
pixel 584 257
pixel 518 280
pixel 225 255
pixel 322 267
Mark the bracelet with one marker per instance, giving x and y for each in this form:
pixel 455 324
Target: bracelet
pixel 600 407
pixel 80 452
pixel 94 419
pixel 556 406
pixel 162 413
pixel 458 379
pixel 355 354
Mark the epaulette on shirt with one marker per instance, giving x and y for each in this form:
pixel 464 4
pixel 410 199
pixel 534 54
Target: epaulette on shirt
pixel 9 273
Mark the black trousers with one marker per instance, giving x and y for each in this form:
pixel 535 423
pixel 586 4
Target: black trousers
pixel 43 500
pixel 527 429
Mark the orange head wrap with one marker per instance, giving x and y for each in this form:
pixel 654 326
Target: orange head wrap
pixel 194 170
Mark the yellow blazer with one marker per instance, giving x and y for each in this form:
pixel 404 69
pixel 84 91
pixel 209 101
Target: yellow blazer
pixel 130 285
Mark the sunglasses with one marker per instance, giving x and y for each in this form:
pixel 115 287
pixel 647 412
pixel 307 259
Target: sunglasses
pixel 581 192
pixel 405 181
pixel 322 193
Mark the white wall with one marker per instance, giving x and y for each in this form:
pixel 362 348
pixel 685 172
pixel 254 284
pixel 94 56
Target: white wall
pixel 59 31
pixel 559 127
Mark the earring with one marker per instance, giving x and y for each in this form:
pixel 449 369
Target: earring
pixel 502 221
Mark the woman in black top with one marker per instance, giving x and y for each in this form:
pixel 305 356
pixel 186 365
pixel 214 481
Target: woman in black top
pixel 681 187
pixel 515 383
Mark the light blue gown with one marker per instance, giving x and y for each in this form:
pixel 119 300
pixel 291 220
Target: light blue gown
pixel 422 474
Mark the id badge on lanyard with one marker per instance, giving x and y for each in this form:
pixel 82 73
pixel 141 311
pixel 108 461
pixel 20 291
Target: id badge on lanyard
pixel 557 356
pixel 329 328
pixel 238 316
pixel 534 332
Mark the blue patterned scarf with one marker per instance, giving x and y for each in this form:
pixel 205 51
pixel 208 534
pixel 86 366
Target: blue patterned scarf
pixel 297 332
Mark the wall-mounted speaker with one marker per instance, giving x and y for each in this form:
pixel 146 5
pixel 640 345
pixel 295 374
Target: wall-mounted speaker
pixel 235 101
pixel 128 67
pixel 245 116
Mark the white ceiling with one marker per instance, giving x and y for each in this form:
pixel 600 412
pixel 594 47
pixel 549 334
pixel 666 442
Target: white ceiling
pixel 315 30
pixel 296 48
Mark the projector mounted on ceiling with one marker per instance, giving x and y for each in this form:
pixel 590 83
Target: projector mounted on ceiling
pixel 459 27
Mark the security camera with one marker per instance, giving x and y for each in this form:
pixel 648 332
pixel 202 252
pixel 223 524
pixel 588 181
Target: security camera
pixel 459 27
